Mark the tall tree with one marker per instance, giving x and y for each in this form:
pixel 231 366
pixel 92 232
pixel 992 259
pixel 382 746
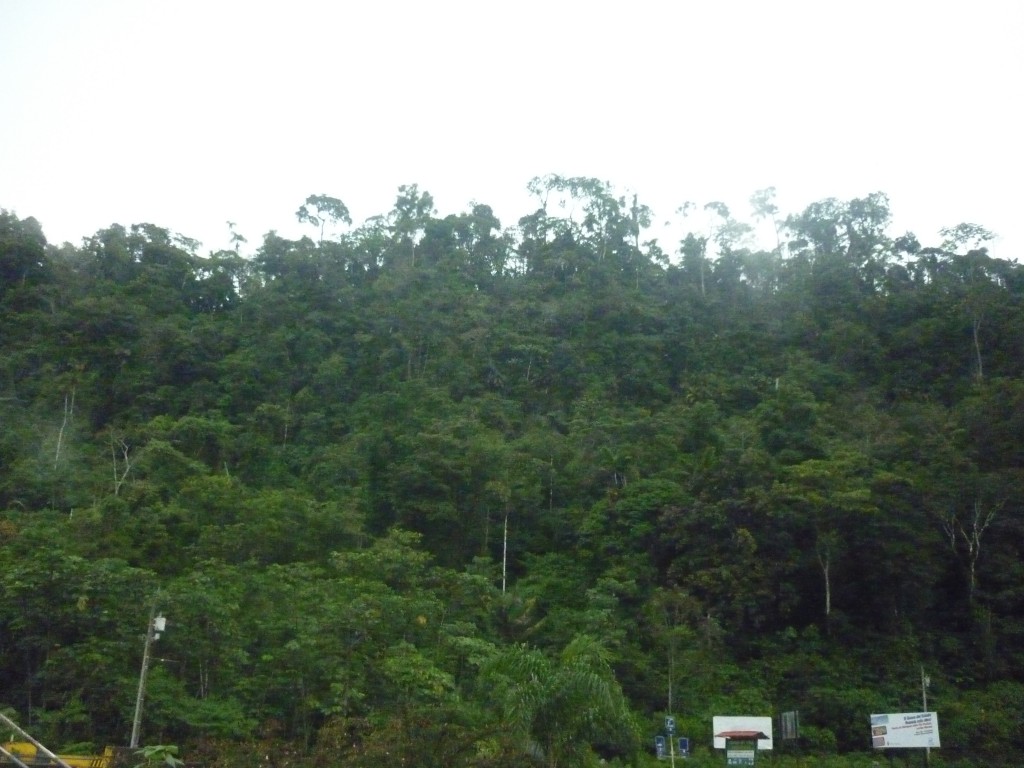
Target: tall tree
pixel 318 210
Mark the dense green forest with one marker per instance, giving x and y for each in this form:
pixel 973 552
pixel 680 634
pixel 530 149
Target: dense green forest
pixel 434 491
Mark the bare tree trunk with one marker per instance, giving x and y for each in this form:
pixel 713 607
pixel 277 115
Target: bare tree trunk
pixel 971 535
pixel 119 475
pixel 69 412
pixel 504 553
pixel 824 560
pixel 975 327
pixel 980 521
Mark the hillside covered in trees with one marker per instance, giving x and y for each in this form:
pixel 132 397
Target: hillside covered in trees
pixel 431 491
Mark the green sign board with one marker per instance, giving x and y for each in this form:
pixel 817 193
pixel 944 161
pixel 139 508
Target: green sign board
pixel 740 751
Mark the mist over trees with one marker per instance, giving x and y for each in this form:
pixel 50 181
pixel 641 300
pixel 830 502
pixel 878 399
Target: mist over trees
pixel 433 490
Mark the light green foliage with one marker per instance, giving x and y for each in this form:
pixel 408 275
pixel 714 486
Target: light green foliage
pixel 159 755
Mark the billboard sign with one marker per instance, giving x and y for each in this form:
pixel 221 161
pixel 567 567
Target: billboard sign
pixel 905 729
pixel 722 724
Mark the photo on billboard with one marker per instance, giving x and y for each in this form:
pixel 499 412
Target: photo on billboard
pixel 900 730
pixel 730 726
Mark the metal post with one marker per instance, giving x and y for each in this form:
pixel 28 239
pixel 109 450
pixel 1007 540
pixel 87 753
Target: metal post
pixel 152 634
pixel 925 682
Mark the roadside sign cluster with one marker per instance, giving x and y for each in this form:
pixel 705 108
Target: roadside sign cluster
pixel 743 737
pixel 665 748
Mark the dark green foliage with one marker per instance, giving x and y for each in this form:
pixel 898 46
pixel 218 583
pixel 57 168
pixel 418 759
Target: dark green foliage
pixel 430 492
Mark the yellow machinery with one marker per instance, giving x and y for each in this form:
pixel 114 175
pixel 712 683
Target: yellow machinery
pixel 25 753
pixel 31 754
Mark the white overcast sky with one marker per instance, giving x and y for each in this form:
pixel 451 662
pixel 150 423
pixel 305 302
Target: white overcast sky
pixel 190 113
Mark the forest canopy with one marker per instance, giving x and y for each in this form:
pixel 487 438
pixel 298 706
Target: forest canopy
pixel 433 489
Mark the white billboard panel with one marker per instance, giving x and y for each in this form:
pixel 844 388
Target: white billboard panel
pixel 735 723
pixel 905 729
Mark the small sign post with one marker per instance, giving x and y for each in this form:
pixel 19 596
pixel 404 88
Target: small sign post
pixel 659 747
pixel 665 746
